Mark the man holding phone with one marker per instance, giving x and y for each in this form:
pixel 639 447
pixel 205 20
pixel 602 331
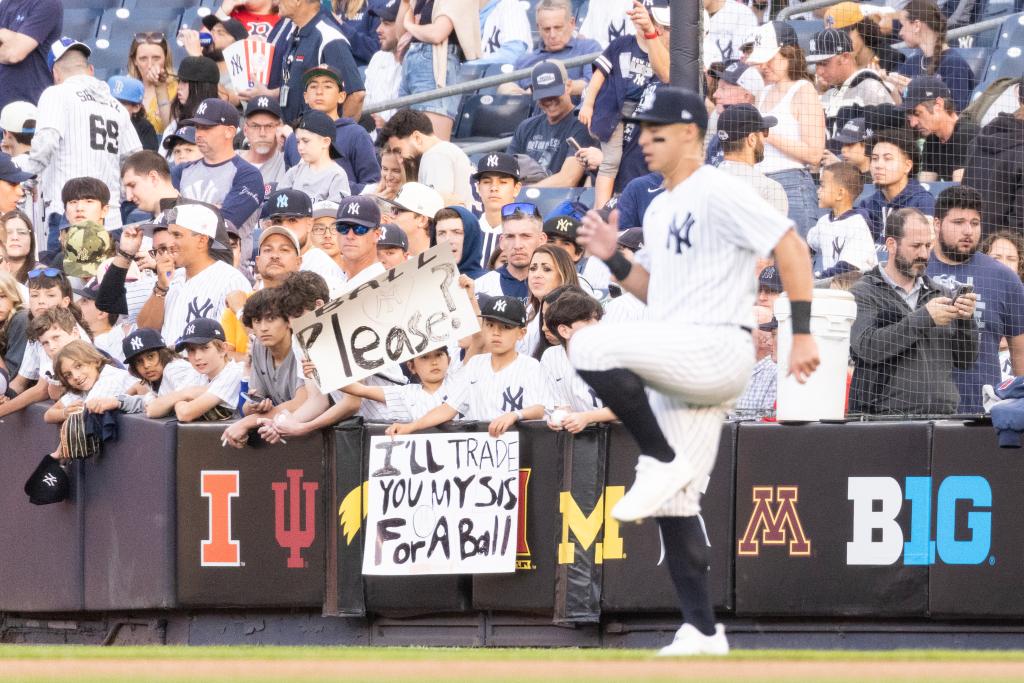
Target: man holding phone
pixel 553 137
pixel 956 264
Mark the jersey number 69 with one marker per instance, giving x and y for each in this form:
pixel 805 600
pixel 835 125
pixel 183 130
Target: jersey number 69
pixel 103 134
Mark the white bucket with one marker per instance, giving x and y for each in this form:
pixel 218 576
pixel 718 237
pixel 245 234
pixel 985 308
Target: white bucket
pixel 823 396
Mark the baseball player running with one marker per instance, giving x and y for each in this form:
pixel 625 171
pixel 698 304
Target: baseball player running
pixel 694 352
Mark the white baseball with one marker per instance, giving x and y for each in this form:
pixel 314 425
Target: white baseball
pixel 558 416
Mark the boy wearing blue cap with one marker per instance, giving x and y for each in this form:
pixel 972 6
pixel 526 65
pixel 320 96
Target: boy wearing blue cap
pixel 129 92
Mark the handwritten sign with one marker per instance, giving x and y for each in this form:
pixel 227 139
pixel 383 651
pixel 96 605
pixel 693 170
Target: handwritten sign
pixel 413 308
pixel 442 504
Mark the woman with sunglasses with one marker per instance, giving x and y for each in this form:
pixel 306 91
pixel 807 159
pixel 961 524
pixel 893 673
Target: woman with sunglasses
pixel 19 243
pixel 149 60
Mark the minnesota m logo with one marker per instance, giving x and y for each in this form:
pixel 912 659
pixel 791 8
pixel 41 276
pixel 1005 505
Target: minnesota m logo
pixel 586 527
pixel 775 525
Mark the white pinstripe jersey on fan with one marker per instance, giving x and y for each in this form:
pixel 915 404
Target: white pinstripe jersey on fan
pixel 96 134
pixel 200 296
pixel 477 392
pixel 565 387
pixel 703 239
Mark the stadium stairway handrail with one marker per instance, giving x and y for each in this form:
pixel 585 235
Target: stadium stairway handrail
pixel 472 86
pixel 969 30
pixel 787 12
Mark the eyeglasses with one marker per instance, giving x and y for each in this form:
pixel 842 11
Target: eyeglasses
pixel 48 272
pixel 161 251
pixel 357 229
pixel 268 128
pixel 512 209
pixel 150 37
pixel 321 230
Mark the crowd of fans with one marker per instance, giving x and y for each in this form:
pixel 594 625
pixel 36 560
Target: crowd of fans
pixel 154 255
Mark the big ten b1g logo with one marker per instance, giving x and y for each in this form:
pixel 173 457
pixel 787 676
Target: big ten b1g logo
pixel 586 527
pixel 302 531
pixel 775 521
pixel 878 538
pixel 219 549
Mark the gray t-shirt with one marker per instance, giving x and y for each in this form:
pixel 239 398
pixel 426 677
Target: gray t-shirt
pixel 446 168
pixel 273 171
pixel 276 383
pixel 331 183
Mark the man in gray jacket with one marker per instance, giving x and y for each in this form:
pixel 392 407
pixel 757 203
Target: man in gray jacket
pixel 909 333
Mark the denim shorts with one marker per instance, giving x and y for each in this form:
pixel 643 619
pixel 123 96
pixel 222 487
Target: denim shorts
pixel 418 77
pixel 802 195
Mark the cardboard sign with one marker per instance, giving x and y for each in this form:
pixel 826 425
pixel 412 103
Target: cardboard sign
pixel 412 309
pixel 248 62
pixel 442 504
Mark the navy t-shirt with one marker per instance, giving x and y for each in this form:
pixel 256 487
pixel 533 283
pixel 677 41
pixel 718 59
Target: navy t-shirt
pixel 547 144
pixel 635 199
pixel 953 70
pixel 43 21
pixel 999 313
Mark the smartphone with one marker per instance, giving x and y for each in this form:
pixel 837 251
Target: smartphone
pixel 961 290
pixel 572 141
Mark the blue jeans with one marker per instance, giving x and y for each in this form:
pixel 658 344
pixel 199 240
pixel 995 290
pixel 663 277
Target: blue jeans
pixel 418 77
pixel 802 196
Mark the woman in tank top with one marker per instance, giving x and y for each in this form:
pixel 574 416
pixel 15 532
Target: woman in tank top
pixel 795 145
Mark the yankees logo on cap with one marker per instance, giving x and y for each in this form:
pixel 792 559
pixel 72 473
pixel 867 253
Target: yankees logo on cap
pixel 262 102
pixel 562 227
pixel 201 109
pixel 507 310
pixel 500 306
pixel 492 160
pixel 140 341
pixel 505 164
pixel 200 331
pixel 288 202
pixel 282 201
pixel 359 210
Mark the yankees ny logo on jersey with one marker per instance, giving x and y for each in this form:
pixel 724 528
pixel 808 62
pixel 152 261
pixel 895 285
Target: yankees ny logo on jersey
pixel 494 42
pixel 837 247
pixel 512 402
pixel 616 32
pixel 679 235
pixel 197 310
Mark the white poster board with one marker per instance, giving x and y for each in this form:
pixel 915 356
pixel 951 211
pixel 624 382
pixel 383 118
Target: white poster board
pixel 248 62
pixel 442 504
pixel 414 308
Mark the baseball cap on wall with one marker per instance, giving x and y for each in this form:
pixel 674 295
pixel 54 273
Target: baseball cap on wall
pixel 49 483
pixel 504 309
pixel 742 74
pixel 548 79
pixel 200 331
pixel 828 44
pixel 213 111
pixel 740 120
pixel 289 203
pixel 768 39
pixel 19 117
pixel 60 48
pixel 126 89
pixel 670 104
pixel 499 162
pixel 392 236
pixel 359 209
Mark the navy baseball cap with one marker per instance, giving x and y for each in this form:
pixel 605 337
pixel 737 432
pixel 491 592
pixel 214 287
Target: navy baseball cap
pixel 183 134
pixel 548 79
pixel 504 309
pixel 60 47
pixel 319 123
pixel 670 104
pixel 48 484
pixel 140 341
pixel 632 239
pixel 323 70
pixel 289 203
pixel 387 10
pixel 10 172
pixel 564 227
pixel 853 131
pixel 213 111
pixel 359 209
pixel 499 162
pixel 923 88
pixel 235 28
pixel 200 331
pixel 740 120
pixel 392 236
pixel 770 279
pixel 266 105
pixel 828 44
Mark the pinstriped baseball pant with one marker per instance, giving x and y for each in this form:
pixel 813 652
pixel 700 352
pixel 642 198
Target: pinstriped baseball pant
pixel 692 372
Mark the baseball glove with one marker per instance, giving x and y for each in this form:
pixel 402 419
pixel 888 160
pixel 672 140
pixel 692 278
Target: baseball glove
pixel 77 441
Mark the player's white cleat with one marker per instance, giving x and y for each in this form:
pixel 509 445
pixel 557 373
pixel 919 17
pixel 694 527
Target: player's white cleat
pixel 689 642
pixel 655 483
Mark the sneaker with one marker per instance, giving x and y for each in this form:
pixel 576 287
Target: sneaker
pixel 689 642
pixel 655 483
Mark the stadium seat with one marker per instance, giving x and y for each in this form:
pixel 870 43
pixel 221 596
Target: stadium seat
pixel 976 58
pixel 98 5
pixel 1011 32
pixel 110 61
pixel 805 30
pixel 116 32
pixel 81 24
pixel 492 116
pixel 1005 62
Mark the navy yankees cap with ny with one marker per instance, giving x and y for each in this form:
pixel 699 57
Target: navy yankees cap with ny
pixel 504 309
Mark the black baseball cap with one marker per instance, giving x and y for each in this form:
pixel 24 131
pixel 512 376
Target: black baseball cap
pixel 632 239
pixel 769 326
pixel 140 341
pixel 853 131
pixel 359 209
pixel 504 309
pixel 10 172
pixel 234 27
pixel 669 104
pixel 323 70
pixel 213 111
pixel 319 123
pixel 499 162
pixel 770 279
pixel 564 227
pixel 198 70
pixel 199 331
pixel 548 79
pixel 740 120
pixel 289 203
pixel 49 483
pixel 387 10
pixel 923 88
pixel 183 134
pixel 267 105
pixel 827 44
pixel 393 236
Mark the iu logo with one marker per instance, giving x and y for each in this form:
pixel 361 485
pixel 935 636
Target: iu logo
pixel 298 536
pixel 777 526
pixel 219 549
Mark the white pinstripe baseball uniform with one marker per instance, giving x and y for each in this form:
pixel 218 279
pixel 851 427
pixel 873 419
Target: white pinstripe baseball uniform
pixel 200 296
pixel 82 131
pixel 410 402
pixel 111 382
pixel 565 387
pixel 703 238
pixel 477 392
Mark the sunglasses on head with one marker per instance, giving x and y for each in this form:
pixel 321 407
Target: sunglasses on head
pixel 520 207
pixel 344 228
pixel 48 272
pixel 149 37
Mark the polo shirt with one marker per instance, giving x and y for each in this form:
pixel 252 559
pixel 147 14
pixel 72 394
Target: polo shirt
pixel 41 20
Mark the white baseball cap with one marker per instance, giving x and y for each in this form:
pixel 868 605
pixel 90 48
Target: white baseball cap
pixel 419 198
pixel 60 47
pixel 14 116
pixel 200 219
pixel 325 209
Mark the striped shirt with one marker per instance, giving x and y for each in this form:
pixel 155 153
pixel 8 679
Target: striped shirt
pixel 565 387
pixel 479 393
pixel 201 296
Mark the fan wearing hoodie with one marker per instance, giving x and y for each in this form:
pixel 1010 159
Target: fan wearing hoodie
pixel 325 92
pixel 461 229
pixel 893 158
pixel 995 168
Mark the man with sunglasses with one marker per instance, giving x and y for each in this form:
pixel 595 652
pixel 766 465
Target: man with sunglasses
pixel 27 29
pixel 358 227
pixel 521 233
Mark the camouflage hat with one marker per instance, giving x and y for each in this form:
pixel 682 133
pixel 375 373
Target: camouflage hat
pixel 87 245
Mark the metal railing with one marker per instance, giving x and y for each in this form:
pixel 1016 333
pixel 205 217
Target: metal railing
pixel 789 11
pixel 473 86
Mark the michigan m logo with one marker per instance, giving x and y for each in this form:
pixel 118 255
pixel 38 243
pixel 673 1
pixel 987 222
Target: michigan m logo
pixel 585 528
pixel 776 526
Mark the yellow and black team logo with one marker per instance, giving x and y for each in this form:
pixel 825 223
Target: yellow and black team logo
pixel 776 519
pixel 586 527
